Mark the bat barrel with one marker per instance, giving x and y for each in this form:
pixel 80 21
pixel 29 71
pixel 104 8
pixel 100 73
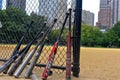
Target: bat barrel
pixel 30 68
pixel 34 77
pixel 22 66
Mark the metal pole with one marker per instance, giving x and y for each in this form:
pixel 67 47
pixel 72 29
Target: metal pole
pixel 76 38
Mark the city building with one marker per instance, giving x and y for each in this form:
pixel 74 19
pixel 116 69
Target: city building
pixel 16 3
pixel 104 14
pixel 0 4
pixel 87 17
pixel 115 11
pixel 53 9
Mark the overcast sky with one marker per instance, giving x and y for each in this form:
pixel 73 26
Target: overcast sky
pixel 92 6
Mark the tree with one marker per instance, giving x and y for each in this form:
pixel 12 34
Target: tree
pixel 115 31
pixel 13 19
pixel 38 21
pixel 110 39
pixel 91 36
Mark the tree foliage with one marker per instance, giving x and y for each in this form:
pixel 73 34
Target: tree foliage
pixel 14 22
pixel 13 19
pixel 38 21
pixel 91 36
pixel 115 35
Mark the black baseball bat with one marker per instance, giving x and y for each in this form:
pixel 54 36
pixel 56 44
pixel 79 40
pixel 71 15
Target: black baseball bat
pixel 47 72
pixel 21 57
pixel 19 44
pixel 32 64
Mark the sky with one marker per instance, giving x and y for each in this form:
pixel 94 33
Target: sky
pixel 92 6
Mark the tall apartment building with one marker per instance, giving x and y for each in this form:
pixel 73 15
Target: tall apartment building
pixel 53 8
pixel 16 3
pixel 115 11
pixel 87 17
pixel 104 15
pixel 0 4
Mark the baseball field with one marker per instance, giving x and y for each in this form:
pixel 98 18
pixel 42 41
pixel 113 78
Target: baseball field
pixel 95 64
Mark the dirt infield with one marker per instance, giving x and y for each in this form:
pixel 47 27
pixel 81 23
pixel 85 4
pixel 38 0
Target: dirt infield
pixel 96 64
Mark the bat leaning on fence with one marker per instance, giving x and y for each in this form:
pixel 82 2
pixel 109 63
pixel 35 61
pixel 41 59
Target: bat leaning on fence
pixel 14 57
pixel 27 59
pixel 47 72
pixel 23 54
pixel 16 50
pixel 68 53
pixel 34 77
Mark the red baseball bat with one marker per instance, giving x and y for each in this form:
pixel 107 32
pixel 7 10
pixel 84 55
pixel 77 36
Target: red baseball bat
pixel 47 72
pixel 68 53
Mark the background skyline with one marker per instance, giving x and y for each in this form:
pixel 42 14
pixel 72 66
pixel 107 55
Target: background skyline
pixel 92 6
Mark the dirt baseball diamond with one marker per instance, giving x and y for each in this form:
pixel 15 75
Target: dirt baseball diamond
pixel 95 64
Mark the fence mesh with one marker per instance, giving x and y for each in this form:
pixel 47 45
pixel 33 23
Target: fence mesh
pixel 15 15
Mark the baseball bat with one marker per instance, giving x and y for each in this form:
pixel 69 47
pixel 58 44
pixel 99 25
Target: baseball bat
pixel 21 57
pixel 47 72
pixel 68 53
pixel 18 45
pixel 32 64
pixel 34 77
pixel 27 59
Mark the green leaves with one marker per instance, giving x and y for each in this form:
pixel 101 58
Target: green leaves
pixel 115 34
pixel 14 23
pixel 91 36
pixel 13 19
pixel 16 19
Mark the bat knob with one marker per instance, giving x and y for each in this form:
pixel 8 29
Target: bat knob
pixel 32 21
pixel 5 72
pixel 55 19
pixel 70 9
pixel 49 73
pixel 67 13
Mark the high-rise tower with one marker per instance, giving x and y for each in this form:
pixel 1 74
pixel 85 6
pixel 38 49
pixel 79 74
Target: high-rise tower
pixel 53 8
pixel 115 11
pixel 16 3
pixel 104 15
pixel 0 4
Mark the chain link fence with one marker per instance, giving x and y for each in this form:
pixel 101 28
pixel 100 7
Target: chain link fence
pixel 15 15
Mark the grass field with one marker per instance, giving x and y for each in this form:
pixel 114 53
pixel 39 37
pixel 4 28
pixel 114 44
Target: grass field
pixel 95 64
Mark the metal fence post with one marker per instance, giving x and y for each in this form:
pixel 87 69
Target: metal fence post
pixel 76 38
